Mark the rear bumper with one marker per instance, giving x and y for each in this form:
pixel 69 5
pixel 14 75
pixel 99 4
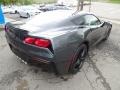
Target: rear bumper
pixel 27 57
pixel 26 52
pixel 34 54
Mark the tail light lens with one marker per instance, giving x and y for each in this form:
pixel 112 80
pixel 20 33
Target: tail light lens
pixel 37 42
pixel 42 43
pixel 29 40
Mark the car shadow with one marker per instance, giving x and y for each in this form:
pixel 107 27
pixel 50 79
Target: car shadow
pixel 45 72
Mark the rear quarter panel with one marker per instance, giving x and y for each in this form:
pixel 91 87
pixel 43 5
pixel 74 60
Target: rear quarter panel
pixel 67 44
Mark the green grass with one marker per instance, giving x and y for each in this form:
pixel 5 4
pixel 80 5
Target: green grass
pixel 114 1
pixel 109 1
pixel 0 29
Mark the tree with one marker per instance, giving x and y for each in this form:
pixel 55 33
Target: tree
pixel 26 2
pixel 80 5
pixel 3 2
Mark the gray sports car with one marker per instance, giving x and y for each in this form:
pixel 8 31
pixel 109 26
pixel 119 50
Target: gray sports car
pixel 60 38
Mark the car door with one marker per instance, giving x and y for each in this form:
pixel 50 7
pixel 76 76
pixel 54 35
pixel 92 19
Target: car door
pixel 95 28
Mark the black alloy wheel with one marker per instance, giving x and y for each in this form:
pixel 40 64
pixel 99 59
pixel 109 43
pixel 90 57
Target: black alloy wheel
pixel 79 59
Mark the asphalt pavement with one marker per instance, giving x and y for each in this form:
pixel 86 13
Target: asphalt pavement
pixel 101 70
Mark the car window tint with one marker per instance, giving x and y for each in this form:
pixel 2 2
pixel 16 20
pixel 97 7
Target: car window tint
pixel 79 20
pixel 91 20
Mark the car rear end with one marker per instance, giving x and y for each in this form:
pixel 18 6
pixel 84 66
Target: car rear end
pixel 44 42
pixel 27 47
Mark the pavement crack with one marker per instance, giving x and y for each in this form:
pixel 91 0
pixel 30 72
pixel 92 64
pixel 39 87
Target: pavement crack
pixel 88 80
pixel 98 72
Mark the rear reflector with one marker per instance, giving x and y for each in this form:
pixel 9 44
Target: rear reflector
pixel 37 42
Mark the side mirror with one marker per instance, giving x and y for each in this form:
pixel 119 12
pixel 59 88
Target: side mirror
pixel 102 23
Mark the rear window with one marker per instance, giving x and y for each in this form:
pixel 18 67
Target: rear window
pixel 79 20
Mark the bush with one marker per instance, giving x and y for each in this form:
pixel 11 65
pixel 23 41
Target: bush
pixel 25 2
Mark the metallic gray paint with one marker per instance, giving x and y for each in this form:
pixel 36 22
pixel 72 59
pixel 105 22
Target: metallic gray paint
pixel 65 38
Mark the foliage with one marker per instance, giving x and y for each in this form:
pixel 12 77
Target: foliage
pixel 25 2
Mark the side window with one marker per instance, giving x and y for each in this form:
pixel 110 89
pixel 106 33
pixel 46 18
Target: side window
pixel 91 20
pixel 78 20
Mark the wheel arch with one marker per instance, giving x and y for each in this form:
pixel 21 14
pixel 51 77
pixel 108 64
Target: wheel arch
pixel 74 56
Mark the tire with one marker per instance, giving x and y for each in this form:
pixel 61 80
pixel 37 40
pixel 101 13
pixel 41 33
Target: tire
pixel 107 35
pixel 16 12
pixel 79 59
pixel 20 16
pixel 28 15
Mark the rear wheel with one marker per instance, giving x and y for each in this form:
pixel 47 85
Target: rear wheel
pixel 79 59
pixel 19 15
pixel 28 15
pixel 16 12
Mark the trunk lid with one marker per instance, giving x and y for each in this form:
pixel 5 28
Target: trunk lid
pixel 15 32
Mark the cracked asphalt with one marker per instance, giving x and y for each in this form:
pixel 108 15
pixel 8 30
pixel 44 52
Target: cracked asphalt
pixel 101 70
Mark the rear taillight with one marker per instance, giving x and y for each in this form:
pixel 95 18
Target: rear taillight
pixel 29 40
pixel 37 42
pixel 42 43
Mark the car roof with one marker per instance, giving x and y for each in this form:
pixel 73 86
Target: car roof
pixel 53 17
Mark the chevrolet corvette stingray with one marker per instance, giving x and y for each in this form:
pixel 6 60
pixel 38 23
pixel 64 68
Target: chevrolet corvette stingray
pixel 59 38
